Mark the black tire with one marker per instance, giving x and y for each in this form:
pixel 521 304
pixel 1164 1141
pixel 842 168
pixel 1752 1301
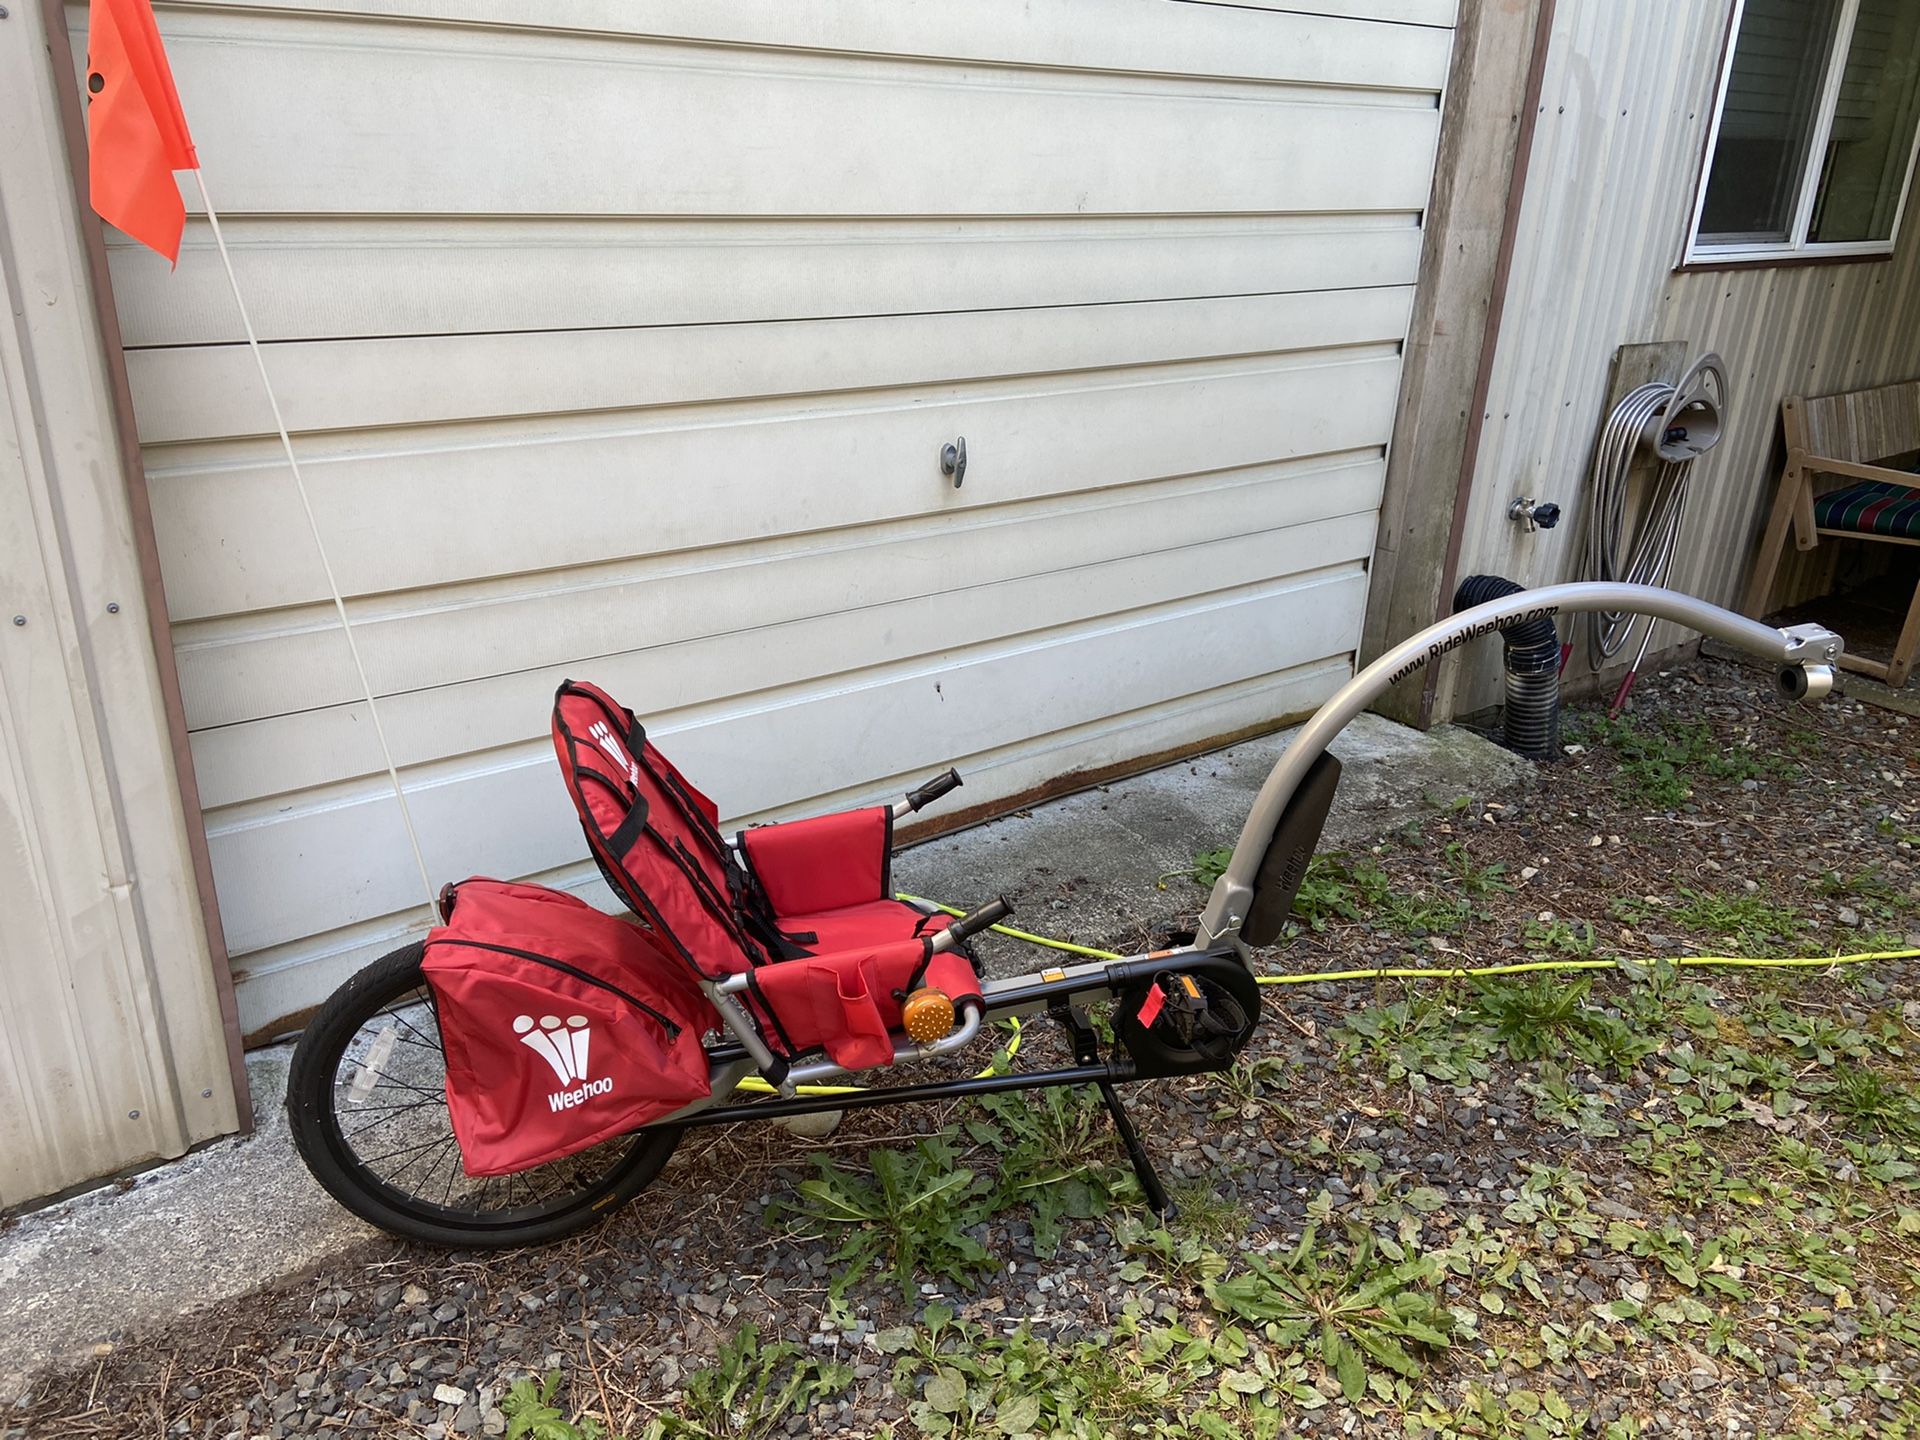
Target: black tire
pixel 559 1198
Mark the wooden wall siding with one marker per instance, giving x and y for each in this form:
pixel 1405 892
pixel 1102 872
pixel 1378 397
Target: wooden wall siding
pixel 1627 99
pixel 621 342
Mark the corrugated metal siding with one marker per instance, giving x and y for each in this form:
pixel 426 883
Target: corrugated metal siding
pixel 1625 104
pixel 112 1050
pixel 622 340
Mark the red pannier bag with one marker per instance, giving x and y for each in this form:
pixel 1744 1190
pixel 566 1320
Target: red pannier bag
pixel 562 1026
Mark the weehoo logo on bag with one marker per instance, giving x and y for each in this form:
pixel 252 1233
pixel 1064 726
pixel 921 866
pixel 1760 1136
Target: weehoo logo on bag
pixel 605 739
pixel 563 1045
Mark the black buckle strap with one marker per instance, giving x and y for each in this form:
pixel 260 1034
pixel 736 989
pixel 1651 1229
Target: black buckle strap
pixel 756 911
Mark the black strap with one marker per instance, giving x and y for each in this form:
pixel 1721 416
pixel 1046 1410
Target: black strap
pixel 920 970
pixel 631 827
pixel 753 988
pixel 756 910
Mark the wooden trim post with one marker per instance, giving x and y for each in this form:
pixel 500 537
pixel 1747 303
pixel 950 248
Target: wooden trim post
pixel 1486 138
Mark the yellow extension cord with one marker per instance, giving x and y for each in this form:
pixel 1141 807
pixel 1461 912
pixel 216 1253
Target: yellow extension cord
pixel 1397 972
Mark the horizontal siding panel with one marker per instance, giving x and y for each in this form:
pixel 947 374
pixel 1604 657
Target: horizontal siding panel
pixel 461 509
pixel 203 392
pixel 1328 42
pixel 1399 12
pixel 282 754
pixel 278 985
pixel 508 812
pixel 457 123
pixel 321 279
pixel 253 667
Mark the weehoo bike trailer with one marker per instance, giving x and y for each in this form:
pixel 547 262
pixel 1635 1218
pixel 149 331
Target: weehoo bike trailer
pixel 532 1064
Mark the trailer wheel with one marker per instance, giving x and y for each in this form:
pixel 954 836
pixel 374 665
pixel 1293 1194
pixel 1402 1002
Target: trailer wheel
pixel 367 1101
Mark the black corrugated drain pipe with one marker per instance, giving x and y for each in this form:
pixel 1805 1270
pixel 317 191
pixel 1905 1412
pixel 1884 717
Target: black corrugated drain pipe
pixel 1530 725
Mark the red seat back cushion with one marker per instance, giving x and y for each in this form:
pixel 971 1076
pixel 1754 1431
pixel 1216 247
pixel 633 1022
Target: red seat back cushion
pixel 653 834
pixel 822 863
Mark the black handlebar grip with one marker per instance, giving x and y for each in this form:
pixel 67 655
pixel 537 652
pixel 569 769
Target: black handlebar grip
pixel 973 922
pixel 933 790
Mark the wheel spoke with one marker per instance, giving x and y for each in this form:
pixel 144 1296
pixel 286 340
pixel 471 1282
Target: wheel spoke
pixel 404 1150
pixel 421 1038
pixel 440 1095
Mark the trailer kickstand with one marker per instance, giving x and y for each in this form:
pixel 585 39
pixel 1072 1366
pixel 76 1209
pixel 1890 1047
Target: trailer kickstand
pixel 1158 1200
pixel 1086 1051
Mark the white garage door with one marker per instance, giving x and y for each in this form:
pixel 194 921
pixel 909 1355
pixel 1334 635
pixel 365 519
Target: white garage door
pixel 621 340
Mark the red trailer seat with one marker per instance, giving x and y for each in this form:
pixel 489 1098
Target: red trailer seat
pixel 806 907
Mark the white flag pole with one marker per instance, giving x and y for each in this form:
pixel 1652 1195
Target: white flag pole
pixel 319 545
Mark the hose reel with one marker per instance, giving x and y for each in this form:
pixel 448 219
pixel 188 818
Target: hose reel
pixel 1677 423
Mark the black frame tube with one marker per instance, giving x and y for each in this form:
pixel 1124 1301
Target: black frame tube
pixel 1113 1072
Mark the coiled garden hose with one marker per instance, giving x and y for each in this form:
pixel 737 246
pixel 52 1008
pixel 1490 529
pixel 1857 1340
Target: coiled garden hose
pixel 1682 420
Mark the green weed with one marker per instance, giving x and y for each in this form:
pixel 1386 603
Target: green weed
pixel 1809 1035
pixel 751 1389
pixel 1338 887
pixel 1659 759
pixel 1209 866
pixel 1558 1099
pixel 1418 1039
pixel 1549 1015
pixel 1752 921
pixel 1058 1154
pixel 1563 937
pixel 1248 1087
pixel 910 1213
pixel 1753 924
pixel 532 1414
pixel 1346 1305
pixel 1876 1105
pixel 1187 1258
pixel 963 1382
pixel 1421 914
pixel 1519 1414
pixel 1478 881
pixel 1553 1201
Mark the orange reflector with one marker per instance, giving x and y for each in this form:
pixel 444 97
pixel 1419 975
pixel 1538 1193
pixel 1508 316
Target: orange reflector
pixel 927 1015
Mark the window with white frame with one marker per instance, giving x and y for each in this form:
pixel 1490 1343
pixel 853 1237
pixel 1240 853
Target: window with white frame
pixel 1812 147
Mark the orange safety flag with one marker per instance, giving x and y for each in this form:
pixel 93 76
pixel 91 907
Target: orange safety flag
pixel 136 133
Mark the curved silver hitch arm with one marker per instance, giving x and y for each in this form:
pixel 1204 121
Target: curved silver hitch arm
pixel 1807 655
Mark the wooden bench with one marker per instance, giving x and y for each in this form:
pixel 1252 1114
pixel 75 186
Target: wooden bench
pixel 1832 487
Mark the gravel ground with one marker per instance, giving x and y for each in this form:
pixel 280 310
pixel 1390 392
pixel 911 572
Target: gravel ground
pixel 1678 1203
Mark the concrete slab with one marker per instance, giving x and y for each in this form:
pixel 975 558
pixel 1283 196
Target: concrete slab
pixel 1086 867
pixel 243 1213
pixel 215 1224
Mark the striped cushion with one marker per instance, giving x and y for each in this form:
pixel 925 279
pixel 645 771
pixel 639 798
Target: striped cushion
pixel 1873 507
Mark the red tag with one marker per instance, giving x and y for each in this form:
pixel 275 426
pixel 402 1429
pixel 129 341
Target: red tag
pixel 1151 1007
